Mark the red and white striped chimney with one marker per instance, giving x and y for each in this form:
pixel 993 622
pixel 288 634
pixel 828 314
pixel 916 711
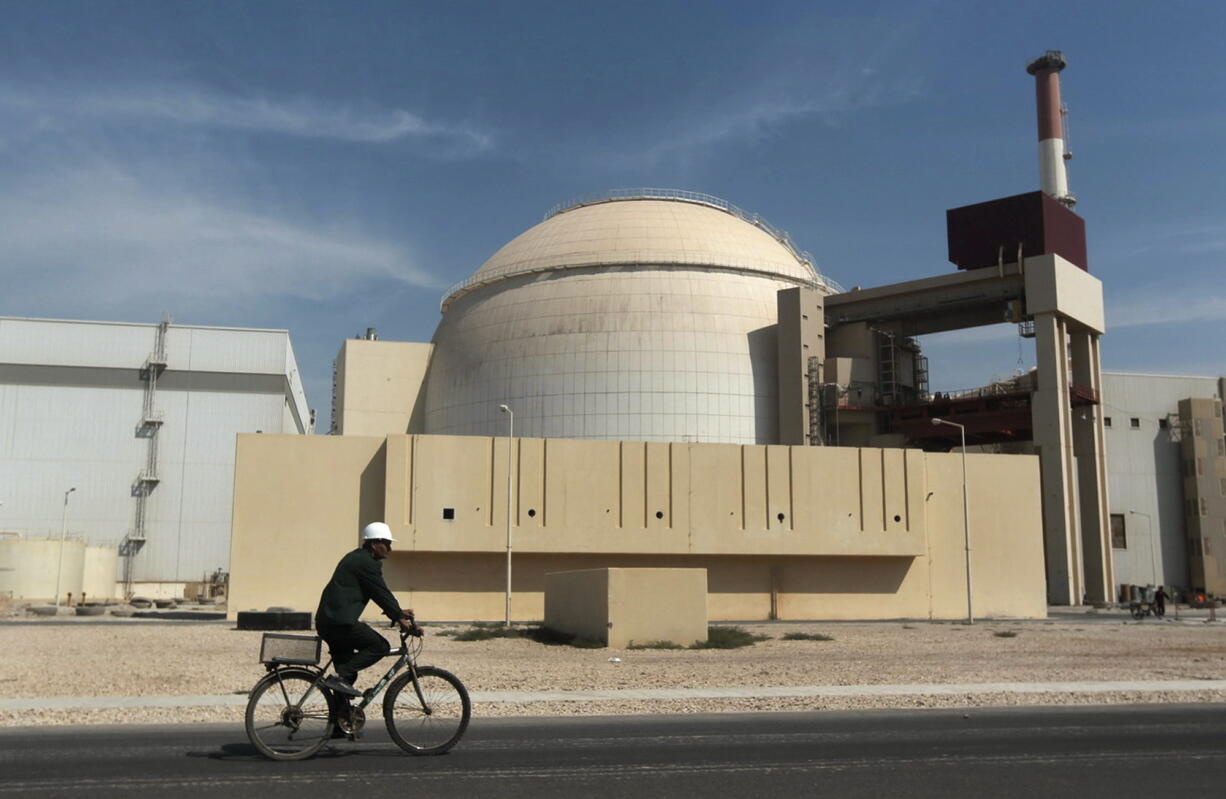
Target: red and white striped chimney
pixel 1052 174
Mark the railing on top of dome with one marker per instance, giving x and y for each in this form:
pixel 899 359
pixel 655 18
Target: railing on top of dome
pixel 643 193
pixel 672 194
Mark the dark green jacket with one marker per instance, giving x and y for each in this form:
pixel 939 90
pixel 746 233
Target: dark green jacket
pixel 358 579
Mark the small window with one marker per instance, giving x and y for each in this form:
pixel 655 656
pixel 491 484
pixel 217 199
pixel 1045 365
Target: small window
pixel 1163 423
pixel 1106 421
pixel 449 514
pixel 1118 538
pixel 1134 423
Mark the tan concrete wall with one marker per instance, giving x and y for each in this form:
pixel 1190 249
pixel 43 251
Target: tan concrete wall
pixel 300 503
pixel 378 385
pixel 866 533
pixel 636 497
pixel 625 606
pixel 1006 524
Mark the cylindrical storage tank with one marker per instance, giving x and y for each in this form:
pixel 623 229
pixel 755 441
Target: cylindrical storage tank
pixel 647 317
pixel 28 567
pixel 98 573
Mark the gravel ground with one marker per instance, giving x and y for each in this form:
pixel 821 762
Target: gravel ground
pixel 154 658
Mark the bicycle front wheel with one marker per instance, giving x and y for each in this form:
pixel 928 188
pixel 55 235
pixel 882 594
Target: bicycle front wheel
pixel 429 722
pixel 289 717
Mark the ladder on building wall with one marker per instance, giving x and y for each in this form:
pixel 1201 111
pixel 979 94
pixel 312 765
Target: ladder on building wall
pixel 148 478
pixel 813 406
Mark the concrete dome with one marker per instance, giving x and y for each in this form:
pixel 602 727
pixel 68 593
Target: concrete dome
pixel 644 317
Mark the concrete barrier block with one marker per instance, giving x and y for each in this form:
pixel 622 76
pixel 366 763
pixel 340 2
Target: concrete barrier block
pixel 626 606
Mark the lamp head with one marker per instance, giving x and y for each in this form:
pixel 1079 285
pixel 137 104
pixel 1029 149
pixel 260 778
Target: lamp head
pixel 504 409
pixel 936 422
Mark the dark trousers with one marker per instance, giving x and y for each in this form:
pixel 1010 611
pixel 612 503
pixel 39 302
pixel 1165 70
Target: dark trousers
pixel 353 647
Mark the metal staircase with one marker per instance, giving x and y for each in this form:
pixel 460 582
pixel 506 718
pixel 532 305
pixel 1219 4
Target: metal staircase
pixel 147 479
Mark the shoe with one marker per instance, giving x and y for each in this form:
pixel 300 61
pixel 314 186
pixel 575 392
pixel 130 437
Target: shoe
pixel 339 685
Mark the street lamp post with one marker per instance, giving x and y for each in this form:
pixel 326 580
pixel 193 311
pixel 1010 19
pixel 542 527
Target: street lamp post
pixel 966 519
pixel 510 447
pixel 1153 561
pixel 63 532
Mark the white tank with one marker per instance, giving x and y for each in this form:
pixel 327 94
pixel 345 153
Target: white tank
pixel 643 317
pixel 29 566
pixel 98 571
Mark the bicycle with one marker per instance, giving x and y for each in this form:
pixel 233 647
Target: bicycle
pixel 1140 610
pixel 291 715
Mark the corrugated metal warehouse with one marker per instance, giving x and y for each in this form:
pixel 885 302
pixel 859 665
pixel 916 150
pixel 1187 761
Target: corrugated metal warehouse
pixel 1151 521
pixel 139 419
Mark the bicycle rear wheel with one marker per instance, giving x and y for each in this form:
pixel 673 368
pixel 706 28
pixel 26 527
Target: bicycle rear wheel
pixel 433 722
pixel 288 716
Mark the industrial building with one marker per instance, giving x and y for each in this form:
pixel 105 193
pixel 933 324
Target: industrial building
pixel 659 378
pixel 1167 465
pixel 120 437
pixel 662 383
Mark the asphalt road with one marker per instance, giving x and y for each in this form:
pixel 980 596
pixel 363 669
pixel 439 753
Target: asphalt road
pixel 1006 752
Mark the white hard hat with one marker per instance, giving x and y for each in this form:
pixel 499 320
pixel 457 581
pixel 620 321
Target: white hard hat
pixel 377 531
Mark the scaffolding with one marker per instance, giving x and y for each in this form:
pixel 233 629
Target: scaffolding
pixel 887 368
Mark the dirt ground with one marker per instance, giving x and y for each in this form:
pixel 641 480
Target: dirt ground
pixel 156 658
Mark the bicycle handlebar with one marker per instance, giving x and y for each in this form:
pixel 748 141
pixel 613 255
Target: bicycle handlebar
pixel 413 629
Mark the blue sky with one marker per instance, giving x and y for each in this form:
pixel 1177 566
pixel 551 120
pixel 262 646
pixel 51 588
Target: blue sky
pixel 327 167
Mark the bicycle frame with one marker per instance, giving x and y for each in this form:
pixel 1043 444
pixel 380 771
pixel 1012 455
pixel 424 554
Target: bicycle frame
pixel 403 655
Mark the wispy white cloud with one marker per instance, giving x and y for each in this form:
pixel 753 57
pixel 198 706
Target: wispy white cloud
pixel 97 238
pixel 1183 238
pixel 1167 305
pixel 198 107
pixel 756 114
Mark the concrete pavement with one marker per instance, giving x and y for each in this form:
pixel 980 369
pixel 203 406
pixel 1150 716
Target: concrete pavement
pixel 479 697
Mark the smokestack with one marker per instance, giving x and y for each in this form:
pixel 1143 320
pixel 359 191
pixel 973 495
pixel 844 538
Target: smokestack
pixel 1052 174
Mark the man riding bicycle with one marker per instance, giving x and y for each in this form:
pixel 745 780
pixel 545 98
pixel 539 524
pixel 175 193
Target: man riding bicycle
pixel 358 579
